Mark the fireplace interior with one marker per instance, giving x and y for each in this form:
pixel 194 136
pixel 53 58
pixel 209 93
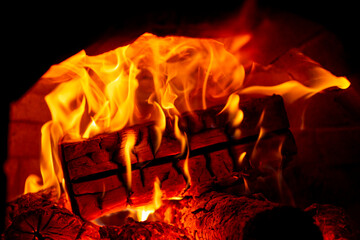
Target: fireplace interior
pixel 264 161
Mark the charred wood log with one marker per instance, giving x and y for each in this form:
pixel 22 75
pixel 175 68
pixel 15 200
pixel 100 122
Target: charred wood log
pixel 220 216
pixel 48 222
pixel 43 198
pixel 37 216
pixel 215 215
pixel 95 168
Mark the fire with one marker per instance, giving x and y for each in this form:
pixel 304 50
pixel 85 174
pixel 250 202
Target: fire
pixel 147 81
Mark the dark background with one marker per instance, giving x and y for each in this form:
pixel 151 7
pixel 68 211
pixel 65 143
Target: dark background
pixel 36 36
pixel 39 36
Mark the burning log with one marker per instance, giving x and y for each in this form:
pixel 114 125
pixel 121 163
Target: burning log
pixel 96 169
pixel 37 216
pixel 220 216
pixel 215 215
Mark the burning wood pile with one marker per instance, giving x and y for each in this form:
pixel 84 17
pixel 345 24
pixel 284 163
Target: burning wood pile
pixel 210 215
pixel 173 138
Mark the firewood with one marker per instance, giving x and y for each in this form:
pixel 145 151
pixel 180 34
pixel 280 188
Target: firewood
pixel 213 215
pixel 220 212
pixel 46 222
pixel 217 215
pixel 37 216
pixel 95 169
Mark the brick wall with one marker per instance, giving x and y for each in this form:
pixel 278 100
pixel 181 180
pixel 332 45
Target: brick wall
pixel 27 115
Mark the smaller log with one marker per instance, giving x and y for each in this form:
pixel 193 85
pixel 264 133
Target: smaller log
pixel 37 216
pixel 214 215
pixel 48 222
